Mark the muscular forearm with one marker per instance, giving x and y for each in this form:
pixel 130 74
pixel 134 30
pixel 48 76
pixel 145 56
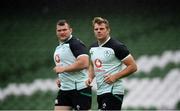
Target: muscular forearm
pixel 91 71
pixel 79 64
pixel 131 67
pixel 91 75
pixel 126 72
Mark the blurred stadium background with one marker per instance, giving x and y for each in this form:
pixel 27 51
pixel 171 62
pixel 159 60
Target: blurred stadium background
pixel 150 28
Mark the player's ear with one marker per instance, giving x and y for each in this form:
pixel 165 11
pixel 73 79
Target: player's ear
pixel 109 30
pixel 71 30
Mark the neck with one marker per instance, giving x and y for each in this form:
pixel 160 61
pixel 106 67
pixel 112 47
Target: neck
pixel 67 39
pixel 102 42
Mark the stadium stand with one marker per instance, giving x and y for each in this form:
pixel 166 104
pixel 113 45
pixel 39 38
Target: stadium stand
pixel 147 92
pixel 27 41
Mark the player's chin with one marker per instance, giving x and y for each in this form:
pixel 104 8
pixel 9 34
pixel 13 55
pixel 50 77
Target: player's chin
pixel 99 37
pixel 63 38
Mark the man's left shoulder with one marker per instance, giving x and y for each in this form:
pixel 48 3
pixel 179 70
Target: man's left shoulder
pixel 80 41
pixel 76 42
pixel 116 41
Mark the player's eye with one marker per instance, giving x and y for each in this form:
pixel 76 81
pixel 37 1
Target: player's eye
pixel 101 29
pixel 64 30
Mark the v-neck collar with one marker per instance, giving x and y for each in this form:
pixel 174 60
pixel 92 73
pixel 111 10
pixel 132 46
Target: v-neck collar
pixel 61 43
pixel 100 45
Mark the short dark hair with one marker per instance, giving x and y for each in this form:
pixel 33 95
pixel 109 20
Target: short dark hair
pixel 62 22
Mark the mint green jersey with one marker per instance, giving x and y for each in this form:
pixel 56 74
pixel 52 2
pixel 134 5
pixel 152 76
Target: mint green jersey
pixel 106 59
pixel 65 54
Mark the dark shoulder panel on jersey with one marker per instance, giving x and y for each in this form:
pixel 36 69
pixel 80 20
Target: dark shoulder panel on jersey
pixel 94 45
pixel 77 46
pixel 119 48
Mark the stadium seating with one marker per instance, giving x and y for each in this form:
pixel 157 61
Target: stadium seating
pixel 160 93
pixel 27 44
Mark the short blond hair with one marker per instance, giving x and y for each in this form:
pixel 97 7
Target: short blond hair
pixel 100 20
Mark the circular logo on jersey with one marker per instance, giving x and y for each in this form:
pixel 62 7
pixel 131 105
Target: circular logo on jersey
pixel 98 63
pixel 107 53
pixel 57 58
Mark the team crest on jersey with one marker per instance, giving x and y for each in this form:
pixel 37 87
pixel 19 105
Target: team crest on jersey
pixel 107 53
pixel 98 63
pixel 91 52
pixel 57 58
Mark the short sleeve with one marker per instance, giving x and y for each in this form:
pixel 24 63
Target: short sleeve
pixel 78 48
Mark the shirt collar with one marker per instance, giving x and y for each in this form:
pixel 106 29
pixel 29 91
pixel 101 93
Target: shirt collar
pixel 60 43
pixel 100 45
